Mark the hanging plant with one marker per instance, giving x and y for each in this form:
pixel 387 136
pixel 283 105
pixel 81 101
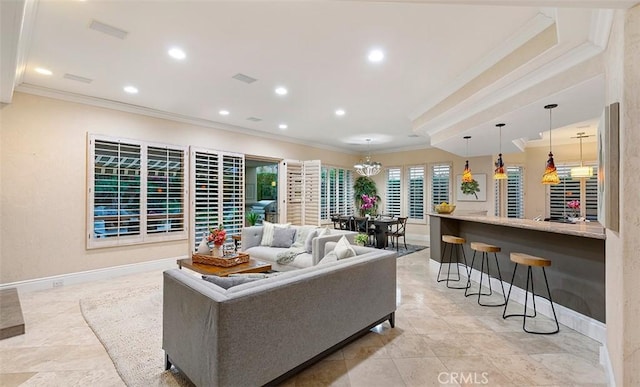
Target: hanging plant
pixel 470 187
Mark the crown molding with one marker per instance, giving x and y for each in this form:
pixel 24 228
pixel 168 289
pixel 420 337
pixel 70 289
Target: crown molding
pixel 135 109
pixel 527 32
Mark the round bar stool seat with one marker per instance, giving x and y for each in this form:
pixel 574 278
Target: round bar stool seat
pixel 531 261
pixel 455 243
pixel 485 249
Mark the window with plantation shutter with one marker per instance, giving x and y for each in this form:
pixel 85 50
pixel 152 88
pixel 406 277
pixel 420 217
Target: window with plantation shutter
pixel 217 194
pixel 513 194
pixel 137 192
pixel 569 189
pixel 440 183
pixel 392 200
pixel 336 192
pixel 416 193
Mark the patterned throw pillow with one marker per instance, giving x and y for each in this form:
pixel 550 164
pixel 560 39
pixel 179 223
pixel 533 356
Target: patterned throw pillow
pixel 343 249
pixel 283 237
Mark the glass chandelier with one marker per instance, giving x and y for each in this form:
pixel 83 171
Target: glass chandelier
pixel 581 171
pixel 499 173
pixel 550 175
pixel 467 177
pixel 368 168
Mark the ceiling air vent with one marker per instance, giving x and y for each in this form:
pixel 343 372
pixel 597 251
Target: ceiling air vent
pixel 244 78
pixel 254 119
pixel 77 78
pixel 107 29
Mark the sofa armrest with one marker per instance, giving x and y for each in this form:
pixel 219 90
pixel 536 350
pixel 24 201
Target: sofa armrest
pixel 251 236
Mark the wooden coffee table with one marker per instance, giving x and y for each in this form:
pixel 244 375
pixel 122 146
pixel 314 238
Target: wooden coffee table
pixel 253 266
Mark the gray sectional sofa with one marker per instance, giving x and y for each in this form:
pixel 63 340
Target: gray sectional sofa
pixel 263 331
pixel 252 236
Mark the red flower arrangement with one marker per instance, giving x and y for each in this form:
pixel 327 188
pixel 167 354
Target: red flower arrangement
pixel 217 235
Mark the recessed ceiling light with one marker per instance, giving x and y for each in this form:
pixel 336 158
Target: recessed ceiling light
pixel 43 71
pixel 340 112
pixel 283 126
pixel 177 53
pixel 131 89
pixel 223 112
pixel 281 91
pixel 376 55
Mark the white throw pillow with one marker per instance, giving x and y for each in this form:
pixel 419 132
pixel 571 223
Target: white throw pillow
pixel 267 232
pixel 343 249
pixel 330 257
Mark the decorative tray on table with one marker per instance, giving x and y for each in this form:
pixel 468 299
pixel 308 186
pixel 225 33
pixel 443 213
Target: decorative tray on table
pixel 226 261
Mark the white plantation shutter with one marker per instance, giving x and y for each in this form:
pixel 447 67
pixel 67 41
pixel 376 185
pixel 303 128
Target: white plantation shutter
pixel 312 192
pixel 233 193
pixel 166 190
pixel 416 193
pixel 136 192
pixel 302 185
pixel 514 193
pixel 440 184
pixel 392 203
pixel 337 191
pixel 217 192
pixel 569 189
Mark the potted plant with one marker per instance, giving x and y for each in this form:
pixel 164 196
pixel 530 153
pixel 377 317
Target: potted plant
pixel 361 239
pixel 252 218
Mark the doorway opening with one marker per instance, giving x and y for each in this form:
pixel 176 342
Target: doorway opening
pixel 261 190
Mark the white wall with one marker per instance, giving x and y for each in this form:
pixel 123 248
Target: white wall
pixel 43 163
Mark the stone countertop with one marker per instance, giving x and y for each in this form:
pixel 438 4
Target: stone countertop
pixel 583 229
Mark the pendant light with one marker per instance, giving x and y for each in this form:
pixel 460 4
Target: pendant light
pixel 550 175
pixel 368 168
pixel 581 171
pixel 466 174
pixel 499 173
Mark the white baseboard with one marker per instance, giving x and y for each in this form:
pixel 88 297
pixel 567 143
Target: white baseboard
pixel 91 275
pixel 586 325
pixel 605 361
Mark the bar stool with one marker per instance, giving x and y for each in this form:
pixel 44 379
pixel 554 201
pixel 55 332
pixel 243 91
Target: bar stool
pixel 485 249
pixel 530 261
pixel 455 243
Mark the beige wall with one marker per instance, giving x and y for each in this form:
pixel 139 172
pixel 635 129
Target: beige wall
pixel 43 167
pixel 622 258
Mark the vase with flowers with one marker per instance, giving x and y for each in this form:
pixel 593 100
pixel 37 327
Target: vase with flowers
pixel 217 237
pixel 368 205
pixel 574 206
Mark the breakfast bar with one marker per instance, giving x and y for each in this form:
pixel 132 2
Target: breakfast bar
pixel 577 252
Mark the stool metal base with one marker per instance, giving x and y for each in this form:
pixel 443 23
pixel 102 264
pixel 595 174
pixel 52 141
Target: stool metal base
pixel 457 263
pixel 533 295
pixel 485 258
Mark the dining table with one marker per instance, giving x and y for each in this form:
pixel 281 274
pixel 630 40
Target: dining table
pixel 382 225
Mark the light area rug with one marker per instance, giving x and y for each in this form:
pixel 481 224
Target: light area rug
pixel 128 322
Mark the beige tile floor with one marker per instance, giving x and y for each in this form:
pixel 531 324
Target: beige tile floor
pixel 440 338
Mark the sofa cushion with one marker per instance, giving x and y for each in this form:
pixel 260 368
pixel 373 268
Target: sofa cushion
pixel 330 257
pixel 267 232
pixel 308 243
pixel 343 249
pixel 227 282
pixel 283 237
pixel 302 234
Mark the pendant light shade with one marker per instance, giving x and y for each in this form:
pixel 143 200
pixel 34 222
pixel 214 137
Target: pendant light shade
pixel 550 175
pixel 581 171
pixel 467 177
pixel 499 173
pixel 368 168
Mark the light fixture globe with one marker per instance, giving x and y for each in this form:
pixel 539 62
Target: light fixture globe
pixel 581 171
pixel 550 175
pixel 368 168
pixel 467 177
pixel 499 173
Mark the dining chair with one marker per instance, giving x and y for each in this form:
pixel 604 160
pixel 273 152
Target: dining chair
pixel 399 232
